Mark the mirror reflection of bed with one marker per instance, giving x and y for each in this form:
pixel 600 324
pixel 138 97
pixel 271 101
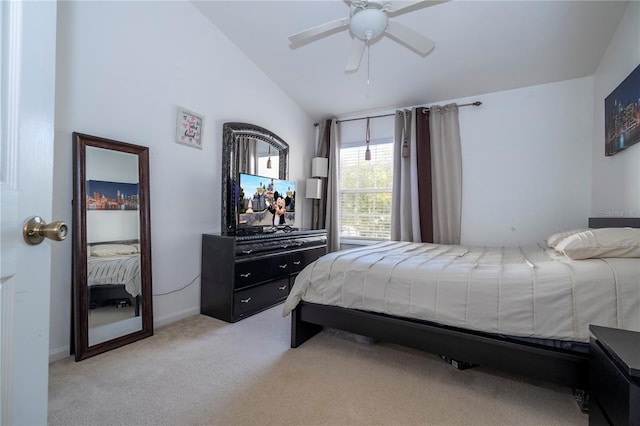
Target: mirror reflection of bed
pixel 113 277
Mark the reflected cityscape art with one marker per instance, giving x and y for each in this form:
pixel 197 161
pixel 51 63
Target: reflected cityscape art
pixel 103 195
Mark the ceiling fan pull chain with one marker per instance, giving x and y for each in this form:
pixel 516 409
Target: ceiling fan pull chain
pixel 367 138
pixel 368 60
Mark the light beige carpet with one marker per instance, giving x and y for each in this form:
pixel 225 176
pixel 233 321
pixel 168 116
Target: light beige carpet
pixel 202 371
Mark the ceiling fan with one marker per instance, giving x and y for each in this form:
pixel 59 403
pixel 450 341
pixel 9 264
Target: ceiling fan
pixel 368 20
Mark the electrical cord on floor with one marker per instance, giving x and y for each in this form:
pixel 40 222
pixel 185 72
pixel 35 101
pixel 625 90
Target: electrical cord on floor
pixel 178 289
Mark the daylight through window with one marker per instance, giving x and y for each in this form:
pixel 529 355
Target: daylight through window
pixel 365 190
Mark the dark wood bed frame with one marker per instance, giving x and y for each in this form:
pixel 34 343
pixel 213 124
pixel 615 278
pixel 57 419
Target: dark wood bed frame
pixel 560 366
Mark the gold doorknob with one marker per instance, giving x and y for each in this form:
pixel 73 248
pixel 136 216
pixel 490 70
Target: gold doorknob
pixel 35 230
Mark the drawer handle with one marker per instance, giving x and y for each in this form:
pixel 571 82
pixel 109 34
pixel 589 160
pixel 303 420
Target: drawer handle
pixel 283 266
pixel 247 275
pixel 296 262
pixel 247 251
pixel 284 287
pixel 245 300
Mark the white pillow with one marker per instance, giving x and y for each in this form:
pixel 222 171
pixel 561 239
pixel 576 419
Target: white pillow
pixel 112 250
pixel 603 242
pixel 554 239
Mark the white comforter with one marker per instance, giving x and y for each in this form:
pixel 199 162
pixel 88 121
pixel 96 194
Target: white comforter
pixel 123 269
pixel 517 291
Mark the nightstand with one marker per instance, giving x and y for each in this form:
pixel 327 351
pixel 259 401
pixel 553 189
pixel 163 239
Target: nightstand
pixel 614 369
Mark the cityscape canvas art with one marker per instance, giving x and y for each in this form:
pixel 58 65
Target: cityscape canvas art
pixel 622 115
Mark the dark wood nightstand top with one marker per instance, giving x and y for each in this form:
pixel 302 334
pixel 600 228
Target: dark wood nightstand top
pixel 623 345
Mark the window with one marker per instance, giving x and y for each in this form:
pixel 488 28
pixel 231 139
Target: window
pixel 365 190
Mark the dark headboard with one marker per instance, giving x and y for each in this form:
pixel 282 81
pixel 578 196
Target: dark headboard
pixel 614 222
pixel 114 242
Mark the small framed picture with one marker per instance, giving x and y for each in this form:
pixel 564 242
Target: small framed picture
pixel 189 128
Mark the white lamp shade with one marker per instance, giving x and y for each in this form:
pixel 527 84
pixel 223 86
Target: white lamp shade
pixel 368 24
pixel 319 167
pixel 314 188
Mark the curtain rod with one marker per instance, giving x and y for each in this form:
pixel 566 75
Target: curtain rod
pixel 476 103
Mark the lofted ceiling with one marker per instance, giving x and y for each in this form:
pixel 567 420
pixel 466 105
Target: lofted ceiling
pixel 481 47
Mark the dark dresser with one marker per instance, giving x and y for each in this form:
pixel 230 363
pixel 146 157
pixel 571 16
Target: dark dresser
pixel 614 376
pixel 243 275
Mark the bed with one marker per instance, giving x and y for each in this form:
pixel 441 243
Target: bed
pixel 539 328
pixel 113 274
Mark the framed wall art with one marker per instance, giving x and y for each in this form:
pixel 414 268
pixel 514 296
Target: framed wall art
pixel 622 115
pixel 189 128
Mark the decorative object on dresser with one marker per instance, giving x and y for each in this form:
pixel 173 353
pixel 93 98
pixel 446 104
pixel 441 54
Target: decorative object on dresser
pixel 614 376
pixel 243 275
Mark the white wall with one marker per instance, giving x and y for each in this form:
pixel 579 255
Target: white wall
pixel 123 69
pixel 616 179
pixel 526 161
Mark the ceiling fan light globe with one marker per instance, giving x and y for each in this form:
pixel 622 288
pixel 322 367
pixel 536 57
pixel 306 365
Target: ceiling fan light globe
pixel 368 24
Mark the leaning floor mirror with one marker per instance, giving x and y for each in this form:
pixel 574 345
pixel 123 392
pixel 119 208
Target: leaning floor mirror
pixel 111 245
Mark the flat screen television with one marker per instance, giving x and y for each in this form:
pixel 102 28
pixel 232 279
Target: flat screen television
pixel 265 204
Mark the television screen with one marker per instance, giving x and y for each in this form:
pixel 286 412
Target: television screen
pixel 265 202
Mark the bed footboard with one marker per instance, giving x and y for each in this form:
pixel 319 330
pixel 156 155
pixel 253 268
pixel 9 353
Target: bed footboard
pixel 548 364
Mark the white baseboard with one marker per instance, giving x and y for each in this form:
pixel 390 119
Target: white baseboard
pixel 63 352
pixel 58 354
pixel 176 316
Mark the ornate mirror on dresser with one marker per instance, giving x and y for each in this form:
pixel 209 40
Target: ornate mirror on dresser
pixel 251 149
pixel 111 301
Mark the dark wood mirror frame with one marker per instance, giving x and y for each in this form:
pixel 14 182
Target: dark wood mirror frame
pixel 232 134
pixel 80 292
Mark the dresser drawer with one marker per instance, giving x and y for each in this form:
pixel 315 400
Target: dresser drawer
pixel 261 269
pixel 242 275
pixel 302 258
pixel 260 296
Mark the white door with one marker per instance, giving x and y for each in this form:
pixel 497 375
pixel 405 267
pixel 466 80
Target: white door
pixel 28 34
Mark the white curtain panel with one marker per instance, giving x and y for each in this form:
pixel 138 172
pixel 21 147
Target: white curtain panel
pixel 446 172
pixel 333 197
pixel 405 211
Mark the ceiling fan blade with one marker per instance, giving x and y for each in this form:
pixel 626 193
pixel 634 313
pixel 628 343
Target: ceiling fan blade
pixel 414 5
pixel 316 32
pixel 355 54
pixel 410 38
